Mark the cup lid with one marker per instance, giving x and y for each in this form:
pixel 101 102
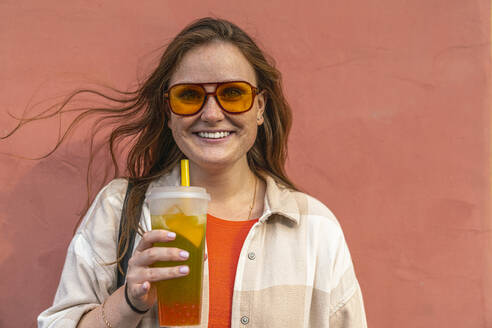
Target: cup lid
pixel 177 192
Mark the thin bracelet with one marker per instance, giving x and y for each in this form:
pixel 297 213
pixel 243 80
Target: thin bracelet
pixel 130 304
pixel 104 315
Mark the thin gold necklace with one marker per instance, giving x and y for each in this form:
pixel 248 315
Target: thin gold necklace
pixel 254 198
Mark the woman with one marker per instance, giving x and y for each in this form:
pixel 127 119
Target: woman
pixel 285 264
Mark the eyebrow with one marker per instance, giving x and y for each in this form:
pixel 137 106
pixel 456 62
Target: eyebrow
pixel 212 82
pixel 253 84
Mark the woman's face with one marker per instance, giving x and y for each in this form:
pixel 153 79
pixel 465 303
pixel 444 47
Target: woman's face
pixel 216 62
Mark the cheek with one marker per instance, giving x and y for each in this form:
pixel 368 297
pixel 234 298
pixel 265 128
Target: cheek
pixel 177 131
pixel 251 132
pixel 179 125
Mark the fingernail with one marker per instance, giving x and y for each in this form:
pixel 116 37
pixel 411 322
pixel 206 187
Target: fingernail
pixel 145 286
pixel 171 235
pixel 184 269
pixel 184 254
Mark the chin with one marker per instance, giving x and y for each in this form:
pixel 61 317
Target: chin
pixel 214 161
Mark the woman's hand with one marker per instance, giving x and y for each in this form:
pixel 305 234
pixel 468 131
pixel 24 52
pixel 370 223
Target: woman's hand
pixel 140 275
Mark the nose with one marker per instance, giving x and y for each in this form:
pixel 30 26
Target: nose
pixel 211 111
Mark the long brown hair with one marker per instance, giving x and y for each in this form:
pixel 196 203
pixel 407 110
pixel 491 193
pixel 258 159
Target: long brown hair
pixel 142 117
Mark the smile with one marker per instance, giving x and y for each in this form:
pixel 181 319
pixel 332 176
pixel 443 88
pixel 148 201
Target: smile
pixel 214 135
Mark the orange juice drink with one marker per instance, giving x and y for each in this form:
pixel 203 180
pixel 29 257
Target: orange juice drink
pixel 182 210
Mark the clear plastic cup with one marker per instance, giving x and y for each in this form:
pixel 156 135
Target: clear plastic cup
pixel 182 210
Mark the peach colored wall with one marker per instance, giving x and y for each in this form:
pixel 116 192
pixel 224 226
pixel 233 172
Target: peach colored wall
pixel 391 130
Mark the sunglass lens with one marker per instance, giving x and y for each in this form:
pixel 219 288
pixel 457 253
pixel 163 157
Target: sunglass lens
pixel 235 97
pixel 186 99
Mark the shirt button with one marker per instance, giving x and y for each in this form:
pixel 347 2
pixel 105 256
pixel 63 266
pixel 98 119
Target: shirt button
pixel 251 255
pixel 244 320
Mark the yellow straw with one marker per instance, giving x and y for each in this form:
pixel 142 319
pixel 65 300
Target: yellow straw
pixel 185 173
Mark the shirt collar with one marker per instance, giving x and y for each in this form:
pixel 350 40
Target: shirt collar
pixel 279 200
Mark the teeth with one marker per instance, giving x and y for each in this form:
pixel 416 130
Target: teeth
pixel 213 135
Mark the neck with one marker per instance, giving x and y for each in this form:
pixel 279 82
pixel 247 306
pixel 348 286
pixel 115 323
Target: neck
pixel 223 183
pixel 231 189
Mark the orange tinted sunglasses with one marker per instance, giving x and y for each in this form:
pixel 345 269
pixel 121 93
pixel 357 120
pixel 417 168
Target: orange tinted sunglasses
pixel 234 97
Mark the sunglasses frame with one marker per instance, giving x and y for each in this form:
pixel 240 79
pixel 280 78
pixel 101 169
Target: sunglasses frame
pixel 254 91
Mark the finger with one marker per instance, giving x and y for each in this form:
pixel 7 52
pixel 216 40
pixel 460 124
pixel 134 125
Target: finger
pixel 154 236
pixel 156 254
pixel 158 274
pixel 140 290
pixel 142 296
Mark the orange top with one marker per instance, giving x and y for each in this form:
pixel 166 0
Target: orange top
pixel 224 242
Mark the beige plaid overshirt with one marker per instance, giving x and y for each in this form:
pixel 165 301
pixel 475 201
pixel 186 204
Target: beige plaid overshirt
pixel 301 274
